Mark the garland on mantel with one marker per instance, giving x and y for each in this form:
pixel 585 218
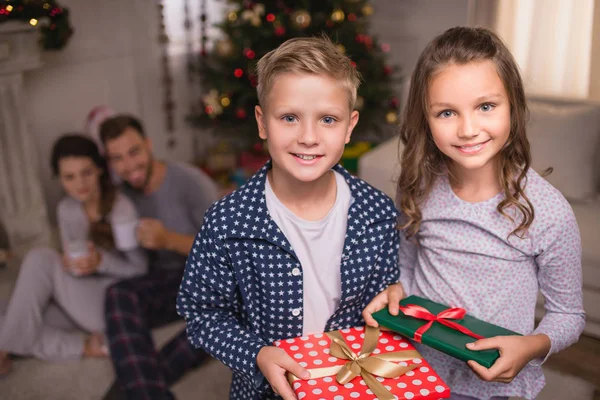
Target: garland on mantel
pixel 52 19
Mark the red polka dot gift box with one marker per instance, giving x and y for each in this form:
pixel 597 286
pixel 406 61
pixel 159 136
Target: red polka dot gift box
pixel 362 363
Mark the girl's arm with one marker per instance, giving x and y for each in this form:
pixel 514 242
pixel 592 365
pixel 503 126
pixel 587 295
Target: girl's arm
pixel 559 277
pixel 407 260
pixel 558 258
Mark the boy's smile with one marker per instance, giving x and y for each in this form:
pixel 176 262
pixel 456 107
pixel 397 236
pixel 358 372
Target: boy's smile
pixel 306 121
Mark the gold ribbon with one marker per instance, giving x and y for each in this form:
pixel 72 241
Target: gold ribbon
pixel 363 363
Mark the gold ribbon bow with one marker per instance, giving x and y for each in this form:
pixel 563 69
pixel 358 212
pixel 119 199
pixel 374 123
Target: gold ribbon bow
pixel 363 363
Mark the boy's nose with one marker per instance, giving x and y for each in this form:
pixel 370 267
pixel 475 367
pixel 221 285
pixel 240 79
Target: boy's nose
pixel 309 136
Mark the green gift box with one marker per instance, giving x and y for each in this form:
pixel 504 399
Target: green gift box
pixel 439 336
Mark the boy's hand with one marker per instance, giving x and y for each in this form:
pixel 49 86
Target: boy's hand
pixel 274 363
pixel 515 353
pixel 389 297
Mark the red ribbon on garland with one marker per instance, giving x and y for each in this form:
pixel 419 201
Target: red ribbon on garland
pixel 443 318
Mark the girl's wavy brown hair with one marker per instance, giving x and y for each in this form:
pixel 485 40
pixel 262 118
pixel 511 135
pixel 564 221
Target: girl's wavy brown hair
pixel 422 162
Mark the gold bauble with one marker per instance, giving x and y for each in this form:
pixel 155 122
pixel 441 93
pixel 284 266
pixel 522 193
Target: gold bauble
pixel 337 15
pixel 301 19
pixel 367 10
pixel 341 48
pixel 225 101
pixel 360 103
pixel 224 47
pixel 232 16
pixel 391 117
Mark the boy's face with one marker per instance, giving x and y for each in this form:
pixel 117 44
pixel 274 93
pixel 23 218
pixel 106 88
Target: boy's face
pixel 306 122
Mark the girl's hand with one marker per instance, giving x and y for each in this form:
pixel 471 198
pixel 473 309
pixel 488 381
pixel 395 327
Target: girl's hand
pixel 515 353
pixel 274 363
pixel 389 297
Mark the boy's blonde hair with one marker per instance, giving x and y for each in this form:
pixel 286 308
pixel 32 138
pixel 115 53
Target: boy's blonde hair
pixel 315 55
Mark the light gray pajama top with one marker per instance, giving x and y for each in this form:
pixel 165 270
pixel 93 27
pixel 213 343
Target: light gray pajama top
pixel 466 259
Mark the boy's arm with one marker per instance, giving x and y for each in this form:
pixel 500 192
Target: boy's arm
pixel 208 300
pixel 387 265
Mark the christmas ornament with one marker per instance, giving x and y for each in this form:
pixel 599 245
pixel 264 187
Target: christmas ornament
pixel 360 103
pixel 224 47
pixel 391 117
pixel 337 15
pixel 367 10
pixel 167 79
pixel 240 113
pixel 279 31
pixel 212 102
pixel 51 19
pixel 301 19
pixel 254 15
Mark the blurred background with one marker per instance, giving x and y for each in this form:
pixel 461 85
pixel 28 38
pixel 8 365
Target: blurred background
pixel 185 68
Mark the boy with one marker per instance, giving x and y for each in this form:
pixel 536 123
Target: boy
pixel 303 246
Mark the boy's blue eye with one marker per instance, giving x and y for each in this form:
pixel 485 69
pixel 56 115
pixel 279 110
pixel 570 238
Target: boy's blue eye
pixel 329 120
pixel 289 118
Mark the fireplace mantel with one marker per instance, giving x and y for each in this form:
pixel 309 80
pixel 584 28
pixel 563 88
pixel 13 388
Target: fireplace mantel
pixel 22 205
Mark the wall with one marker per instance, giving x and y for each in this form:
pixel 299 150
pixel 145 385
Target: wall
pixel 595 67
pixel 114 59
pixel 408 25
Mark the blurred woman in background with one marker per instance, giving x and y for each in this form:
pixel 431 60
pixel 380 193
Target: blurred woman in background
pixel 97 230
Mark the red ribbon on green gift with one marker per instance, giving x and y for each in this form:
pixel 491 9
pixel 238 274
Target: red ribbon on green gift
pixel 443 318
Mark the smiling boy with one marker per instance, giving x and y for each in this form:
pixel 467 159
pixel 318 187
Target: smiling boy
pixel 303 246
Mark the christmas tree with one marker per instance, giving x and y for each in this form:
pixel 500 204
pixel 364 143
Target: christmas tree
pixel 52 19
pixel 251 29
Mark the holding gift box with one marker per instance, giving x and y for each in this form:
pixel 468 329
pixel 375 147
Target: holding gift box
pixel 303 246
pixel 443 328
pixel 362 363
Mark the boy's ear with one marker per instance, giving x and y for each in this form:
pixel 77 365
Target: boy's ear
pixel 258 114
pixel 353 122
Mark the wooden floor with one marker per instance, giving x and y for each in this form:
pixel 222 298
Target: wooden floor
pixel 582 360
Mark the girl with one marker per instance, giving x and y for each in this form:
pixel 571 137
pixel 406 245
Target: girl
pixel 483 231
pixel 76 281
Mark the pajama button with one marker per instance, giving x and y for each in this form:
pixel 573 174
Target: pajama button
pixel 296 272
pixel 296 312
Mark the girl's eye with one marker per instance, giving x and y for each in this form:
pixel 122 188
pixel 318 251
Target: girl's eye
pixel 289 118
pixel 329 120
pixel 446 114
pixel 487 107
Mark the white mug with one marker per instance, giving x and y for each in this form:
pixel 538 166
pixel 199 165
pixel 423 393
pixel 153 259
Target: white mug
pixel 124 234
pixel 77 249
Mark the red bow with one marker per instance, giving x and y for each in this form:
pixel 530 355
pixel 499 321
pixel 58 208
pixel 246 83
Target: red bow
pixel 443 317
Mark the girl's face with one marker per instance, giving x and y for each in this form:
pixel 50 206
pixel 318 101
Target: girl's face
pixel 79 177
pixel 469 115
